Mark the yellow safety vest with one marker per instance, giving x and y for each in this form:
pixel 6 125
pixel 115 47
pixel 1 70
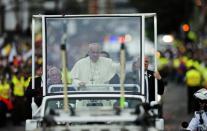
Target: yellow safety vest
pixel 26 82
pixel 204 73
pixel 198 66
pixel 189 63
pixel 193 78
pixel 18 86
pixel 176 63
pixel 162 62
pixel 1 89
pixel 4 90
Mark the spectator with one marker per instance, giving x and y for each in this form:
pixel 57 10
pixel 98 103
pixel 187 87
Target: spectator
pixel 18 98
pixel 199 121
pixel 53 76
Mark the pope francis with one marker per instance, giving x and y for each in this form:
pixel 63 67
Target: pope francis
pixel 94 69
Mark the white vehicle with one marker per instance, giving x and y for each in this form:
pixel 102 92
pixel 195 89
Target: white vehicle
pixel 95 107
pixel 94 110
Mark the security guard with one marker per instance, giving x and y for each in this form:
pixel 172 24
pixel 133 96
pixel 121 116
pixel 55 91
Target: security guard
pixel 199 121
pixel 193 80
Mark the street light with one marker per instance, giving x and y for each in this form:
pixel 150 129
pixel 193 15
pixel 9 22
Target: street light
pixel 168 38
pixel 185 27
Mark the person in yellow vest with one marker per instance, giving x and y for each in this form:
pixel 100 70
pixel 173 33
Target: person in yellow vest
pixel 3 108
pixel 5 102
pixel 18 87
pixel 193 80
pixel 204 73
pixel 27 81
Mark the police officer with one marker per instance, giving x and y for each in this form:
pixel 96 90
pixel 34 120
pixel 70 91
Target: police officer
pixel 193 79
pixel 199 121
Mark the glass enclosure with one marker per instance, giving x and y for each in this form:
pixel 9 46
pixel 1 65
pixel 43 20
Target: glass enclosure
pixel 108 33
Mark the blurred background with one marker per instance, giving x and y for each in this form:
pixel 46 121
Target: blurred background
pixel 182 42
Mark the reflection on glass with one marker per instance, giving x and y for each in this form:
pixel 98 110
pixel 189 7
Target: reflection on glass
pixel 106 31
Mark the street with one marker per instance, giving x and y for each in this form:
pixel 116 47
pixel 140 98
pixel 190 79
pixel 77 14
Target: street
pixel 175 106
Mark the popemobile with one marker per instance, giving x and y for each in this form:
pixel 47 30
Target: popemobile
pixel 93 73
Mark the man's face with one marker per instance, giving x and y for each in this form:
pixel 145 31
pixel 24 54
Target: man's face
pixel 39 71
pixel 94 53
pixel 146 63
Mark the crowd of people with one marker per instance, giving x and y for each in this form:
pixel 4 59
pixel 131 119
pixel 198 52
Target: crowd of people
pixel 15 75
pixel 187 67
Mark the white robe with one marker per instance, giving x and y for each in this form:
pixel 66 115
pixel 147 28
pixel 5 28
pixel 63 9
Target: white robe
pixel 100 72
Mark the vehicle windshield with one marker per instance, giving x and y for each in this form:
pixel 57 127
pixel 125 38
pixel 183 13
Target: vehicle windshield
pixel 93 50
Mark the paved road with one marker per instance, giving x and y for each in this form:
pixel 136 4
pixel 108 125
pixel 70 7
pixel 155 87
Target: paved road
pixel 174 109
pixel 175 106
pixel 10 127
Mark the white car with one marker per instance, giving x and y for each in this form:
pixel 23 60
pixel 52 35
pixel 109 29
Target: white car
pixel 93 110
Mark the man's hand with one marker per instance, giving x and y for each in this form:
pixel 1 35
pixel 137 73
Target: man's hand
pixel 82 83
pixel 157 75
